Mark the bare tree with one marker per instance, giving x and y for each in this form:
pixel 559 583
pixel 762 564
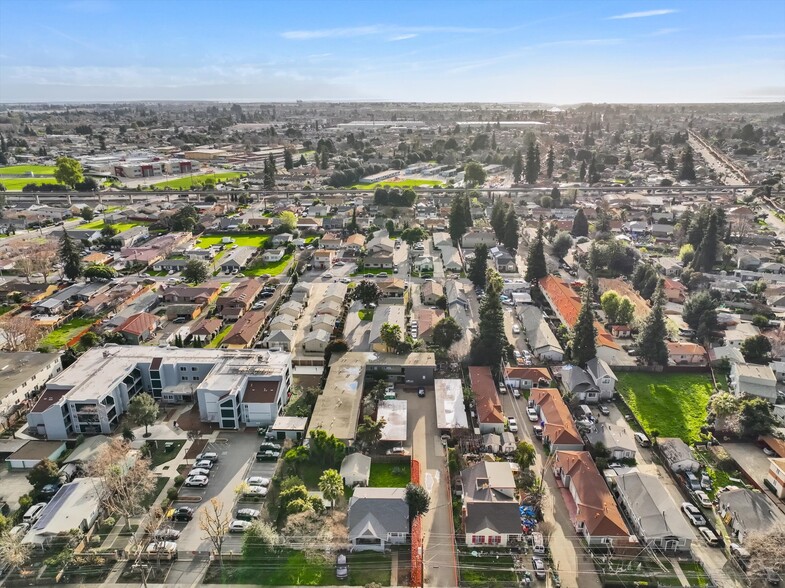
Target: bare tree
pixel 13 552
pixel 25 266
pixel 44 258
pixel 317 532
pixel 124 482
pixel 767 551
pixel 19 333
pixel 214 521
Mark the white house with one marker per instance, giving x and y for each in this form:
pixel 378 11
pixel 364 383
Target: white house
pixel 755 380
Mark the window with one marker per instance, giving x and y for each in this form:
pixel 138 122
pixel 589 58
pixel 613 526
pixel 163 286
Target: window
pixel 193 369
pixel 183 368
pixel 195 378
pixel 183 377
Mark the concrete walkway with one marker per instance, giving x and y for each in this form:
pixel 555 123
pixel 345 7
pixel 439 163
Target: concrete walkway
pixel 679 573
pixel 394 569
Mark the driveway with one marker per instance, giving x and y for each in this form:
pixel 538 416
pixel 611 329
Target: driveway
pixel 439 559
pixel 754 462
pixel 236 454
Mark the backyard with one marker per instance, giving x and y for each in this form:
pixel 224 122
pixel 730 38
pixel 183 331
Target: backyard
pixel 119 227
pixel 390 475
pixel 486 568
pixel 288 567
pixel 190 181
pixel 216 342
pixel 673 404
pixel 67 331
pixel 259 267
pixel 239 239
pixel 159 453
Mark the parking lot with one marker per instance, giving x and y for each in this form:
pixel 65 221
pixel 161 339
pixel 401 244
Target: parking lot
pixel 236 461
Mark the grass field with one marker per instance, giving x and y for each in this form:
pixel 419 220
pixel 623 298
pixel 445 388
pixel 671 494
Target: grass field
pixel 674 404
pixel 67 331
pixel 42 170
pixel 398 184
pixel 160 455
pixel 119 227
pixel 190 181
pixel 215 343
pixel 486 570
pixel 16 184
pixel 389 475
pixel 273 268
pixel 240 239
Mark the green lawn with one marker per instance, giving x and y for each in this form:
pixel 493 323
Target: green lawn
pixel 148 500
pixel 288 567
pixel 258 268
pixel 4 308
pixel 390 475
pixel 67 331
pixel 366 314
pixel 160 455
pixel 215 343
pixel 694 572
pixel 487 569
pixel 16 184
pixel 189 181
pixel 240 239
pixel 674 404
pixel 43 170
pixel 398 184
pixel 119 227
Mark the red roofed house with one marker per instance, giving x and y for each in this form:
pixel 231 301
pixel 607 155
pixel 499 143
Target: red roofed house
pixel 245 330
pixel 526 377
pixel 558 428
pixel 674 291
pixel 686 354
pixel 138 328
pixel 489 406
pixel 592 509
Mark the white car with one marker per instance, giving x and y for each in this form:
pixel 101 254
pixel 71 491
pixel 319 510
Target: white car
pixel 516 393
pixel 703 498
pixel 162 547
pixel 198 472
pixel 247 514
pixel 345 281
pixel 512 425
pixel 709 536
pixel 166 534
pixel 204 464
pixel 516 330
pixel 211 456
pixel 198 481
pixel 531 412
pixel 239 526
pixel 328 276
pixel 693 514
pixel 255 491
pixel 257 481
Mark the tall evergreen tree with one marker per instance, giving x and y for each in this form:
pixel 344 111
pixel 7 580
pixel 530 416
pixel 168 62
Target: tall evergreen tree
pixel 651 343
pixel 584 334
pixel 288 162
pixel 580 224
pixel 549 162
pixel 687 169
pixel 498 216
pixel 316 161
pixel 479 266
pixel 594 176
pixel 458 225
pixel 271 161
pixel 466 206
pixel 707 252
pixel 70 257
pixel 582 172
pixel 517 167
pixel 302 161
pixel 532 163
pixel 510 236
pixel 269 176
pixel 488 347
pixel 535 263
pixel 325 158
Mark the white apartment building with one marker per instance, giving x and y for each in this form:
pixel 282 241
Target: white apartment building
pixel 22 374
pixel 233 388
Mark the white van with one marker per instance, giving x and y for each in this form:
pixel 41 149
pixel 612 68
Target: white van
pixel 33 513
pixel 538 544
pixel 642 439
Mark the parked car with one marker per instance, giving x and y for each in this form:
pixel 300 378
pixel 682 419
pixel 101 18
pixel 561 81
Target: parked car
pixel 345 281
pixel 328 276
pixel 50 489
pixel 198 472
pixel 531 412
pixel 212 456
pixel 605 410
pixel 693 514
pixel 709 536
pixel 516 330
pixel 182 513
pixel 268 445
pixel 19 530
pixel 539 568
pixel 33 513
pixel 512 425
pixel 537 432
pixel 160 549
pixel 703 498
pixel 421 392
pixel 341 567
pixel 397 451
pixel 255 491
pixel 257 481
pixel 516 393
pixel 204 464
pixel 248 514
pixel 691 481
pixel 237 526
pixel 268 455
pixel 166 534
pixel 705 482
pixel 642 439
pixel 196 481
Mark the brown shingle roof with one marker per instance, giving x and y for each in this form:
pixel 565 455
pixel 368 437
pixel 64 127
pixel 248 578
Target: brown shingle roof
pixel 138 323
pixel 489 407
pixel 246 328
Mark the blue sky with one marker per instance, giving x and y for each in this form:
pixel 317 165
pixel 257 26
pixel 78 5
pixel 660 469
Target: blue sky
pixel 558 51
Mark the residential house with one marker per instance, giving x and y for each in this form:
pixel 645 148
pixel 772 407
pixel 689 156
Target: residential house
pixel 237 259
pixel 503 260
pixel 280 339
pixel 747 511
pixel 775 477
pixel 329 307
pixel 603 377
pixel 326 322
pixel 206 329
pixel 378 518
pixel 670 266
pixel 75 507
pixel 542 341
pixel 719 355
pixel 579 383
pixel 674 291
pixel 490 510
pixel 355 243
pixel 309 225
pixel 451 259
pixel 394 291
pixel 423 263
pixel 431 292
pixel 292 308
pixel 316 341
pixel 440 239
pixel 594 513
pixel 427 319
pixel 331 242
pixel 755 380
pixel 24 374
pixel 238 300
pixel 489 407
pixel 301 293
pixel 526 378
pixel 263 223
pixel 138 328
pixel 655 518
pixel 617 440
pixel 477 237
pixel 394 314
pixel 559 430
pixel 355 470
pixel 273 255
pixel 487 481
pixel 456 296
pixel 129 237
pixel 244 332
pixel 685 353
pixel 678 455
pixel 323 258
pixel 282 239
pixel 282 321
pixel 191 295
pixel 174 264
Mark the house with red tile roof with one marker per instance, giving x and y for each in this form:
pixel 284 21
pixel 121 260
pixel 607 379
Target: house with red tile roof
pixel 686 353
pixel 558 428
pixel 593 510
pixel 138 328
pixel 489 406
pixel 526 377
pixel 674 291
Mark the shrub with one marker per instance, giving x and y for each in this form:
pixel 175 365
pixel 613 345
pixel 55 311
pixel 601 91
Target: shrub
pixel 172 493
pixel 178 481
pixel 110 521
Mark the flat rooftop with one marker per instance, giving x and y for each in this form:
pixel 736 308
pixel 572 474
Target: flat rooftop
pixel 450 409
pixel 18 368
pixel 338 407
pixel 394 413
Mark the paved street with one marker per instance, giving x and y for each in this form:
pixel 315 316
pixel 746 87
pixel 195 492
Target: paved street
pixel 439 560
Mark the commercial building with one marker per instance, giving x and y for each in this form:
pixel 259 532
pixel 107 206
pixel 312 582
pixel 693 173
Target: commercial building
pixel 232 387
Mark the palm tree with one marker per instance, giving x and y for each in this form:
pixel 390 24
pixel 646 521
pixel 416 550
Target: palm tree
pixel 331 485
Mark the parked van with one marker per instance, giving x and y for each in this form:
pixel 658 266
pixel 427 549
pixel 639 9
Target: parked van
pixel 692 481
pixel 538 544
pixel 643 441
pixel 585 412
pixel 33 513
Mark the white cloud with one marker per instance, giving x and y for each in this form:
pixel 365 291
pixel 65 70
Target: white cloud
pixel 643 14
pixel 370 30
pixel 403 37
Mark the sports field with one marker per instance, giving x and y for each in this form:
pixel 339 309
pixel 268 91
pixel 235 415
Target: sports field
pixel 16 184
pixel 38 170
pixel 189 181
pixel 399 184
